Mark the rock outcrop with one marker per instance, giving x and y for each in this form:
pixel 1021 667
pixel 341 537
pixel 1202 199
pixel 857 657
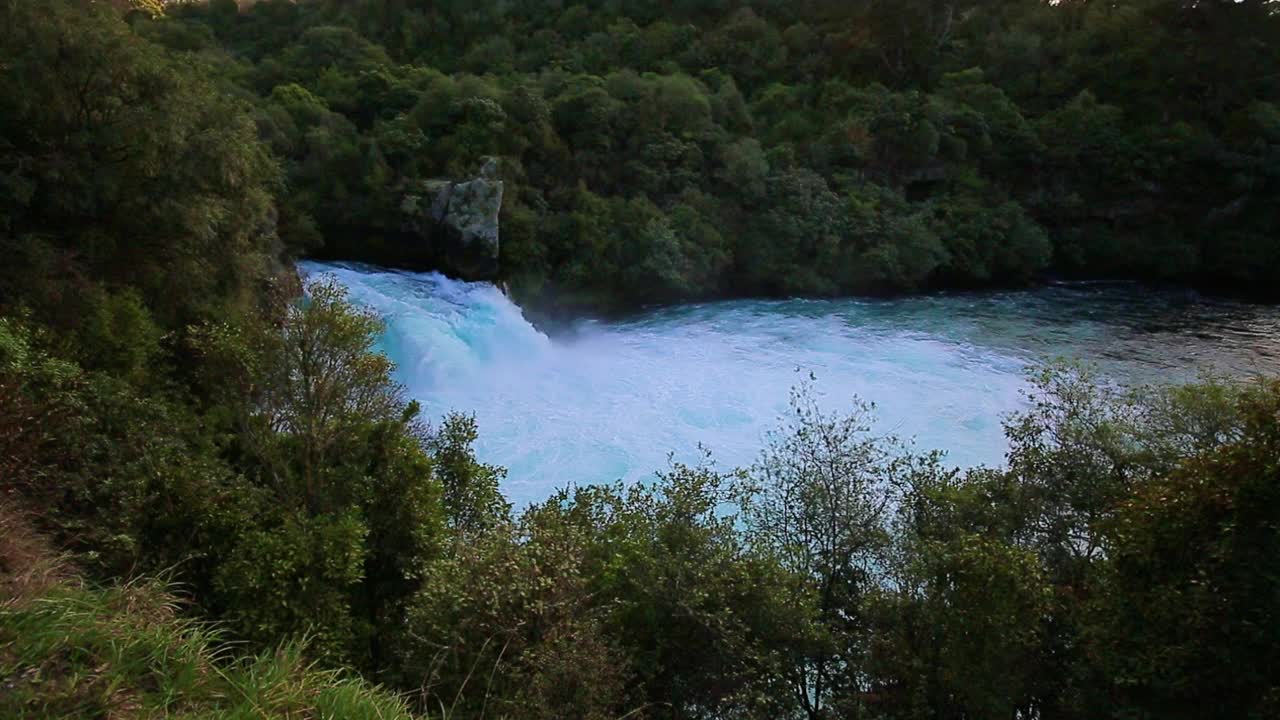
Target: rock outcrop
pixel 443 225
pixel 459 221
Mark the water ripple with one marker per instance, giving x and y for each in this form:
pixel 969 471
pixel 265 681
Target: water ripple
pixel 610 400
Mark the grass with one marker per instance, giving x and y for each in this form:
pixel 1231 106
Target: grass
pixel 72 651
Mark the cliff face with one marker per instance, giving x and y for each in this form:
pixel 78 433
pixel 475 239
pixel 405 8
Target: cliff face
pixel 459 221
pixel 450 226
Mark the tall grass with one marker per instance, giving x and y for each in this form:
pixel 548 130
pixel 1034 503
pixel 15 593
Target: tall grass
pixel 69 651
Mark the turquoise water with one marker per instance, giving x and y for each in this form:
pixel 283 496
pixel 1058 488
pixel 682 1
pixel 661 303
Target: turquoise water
pixel 607 400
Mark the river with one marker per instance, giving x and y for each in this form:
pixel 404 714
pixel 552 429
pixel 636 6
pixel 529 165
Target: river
pixel 602 401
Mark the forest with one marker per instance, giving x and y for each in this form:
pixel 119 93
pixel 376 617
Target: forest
pixel 216 500
pixel 664 151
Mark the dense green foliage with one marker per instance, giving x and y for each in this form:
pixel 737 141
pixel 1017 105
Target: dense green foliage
pixel 657 151
pixel 173 403
pixel 67 650
pixel 78 653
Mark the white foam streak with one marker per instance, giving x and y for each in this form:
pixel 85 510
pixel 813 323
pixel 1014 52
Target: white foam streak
pixel 611 400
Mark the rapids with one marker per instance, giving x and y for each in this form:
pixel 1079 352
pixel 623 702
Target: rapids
pixel 602 401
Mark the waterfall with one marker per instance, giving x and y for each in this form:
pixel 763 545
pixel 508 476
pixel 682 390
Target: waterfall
pixel 610 400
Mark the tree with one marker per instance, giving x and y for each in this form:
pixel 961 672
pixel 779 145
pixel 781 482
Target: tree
pixel 706 619
pixel 794 245
pixel 1187 606
pixel 353 510
pixel 957 629
pixel 473 501
pixel 819 501
pixel 891 245
pixel 125 166
pixel 504 626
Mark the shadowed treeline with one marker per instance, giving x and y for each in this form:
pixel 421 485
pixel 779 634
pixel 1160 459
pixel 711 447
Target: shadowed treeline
pixel 665 150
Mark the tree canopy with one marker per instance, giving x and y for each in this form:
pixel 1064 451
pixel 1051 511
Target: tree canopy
pixel 175 402
pixel 661 151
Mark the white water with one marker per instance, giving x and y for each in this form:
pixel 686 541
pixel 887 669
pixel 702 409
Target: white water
pixel 610 400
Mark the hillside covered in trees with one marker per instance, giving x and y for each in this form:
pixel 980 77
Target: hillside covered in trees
pixel 657 151
pixel 172 407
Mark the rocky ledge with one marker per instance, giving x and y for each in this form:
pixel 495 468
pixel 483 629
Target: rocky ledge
pixel 444 225
pixel 458 221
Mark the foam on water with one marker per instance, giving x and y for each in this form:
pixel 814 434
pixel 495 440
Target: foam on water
pixel 610 400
